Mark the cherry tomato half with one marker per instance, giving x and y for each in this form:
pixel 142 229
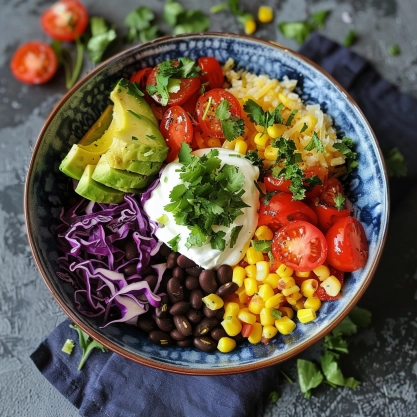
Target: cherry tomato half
pixel 211 72
pixel 206 110
pixel 331 189
pixel 176 128
pixel 140 77
pixel 321 292
pixel 300 245
pixel 348 246
pixel 327 216
pixel 65 20
pixel 282 209
pixel 188 86
pixel 34 63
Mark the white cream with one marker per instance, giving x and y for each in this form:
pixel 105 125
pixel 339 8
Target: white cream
pixel 205 256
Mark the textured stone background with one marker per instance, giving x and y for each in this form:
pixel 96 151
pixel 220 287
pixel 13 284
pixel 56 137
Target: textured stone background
pixel 383 357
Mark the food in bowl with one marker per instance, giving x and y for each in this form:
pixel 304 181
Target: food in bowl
pixel 186 248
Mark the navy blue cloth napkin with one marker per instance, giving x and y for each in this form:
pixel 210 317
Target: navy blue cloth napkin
pixel 111 386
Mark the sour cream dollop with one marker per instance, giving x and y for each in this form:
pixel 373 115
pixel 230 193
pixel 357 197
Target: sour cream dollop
pixel 205 256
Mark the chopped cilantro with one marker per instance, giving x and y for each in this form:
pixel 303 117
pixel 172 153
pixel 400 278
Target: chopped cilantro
pixel 184 21
pixel 68 346
pixel 234 7
pixel 101 37
pixel 274 396
pixel 134 138
pixel 346 147
pixel 261 117
pixel 139 24
pixel 395 162
pixel 339 201
pixel 350 38
pixel 304 128
pixel 309 376
pixel 394 50
pixel 290 117
pixel 133 88
pixel 320 18
pixel 87 344
pixel 315 143
pixel 232 126
pixel 153 137
pixel 276 314
pixel 234 234
pixel 332 372
pixel 254 157
pixel 262 245
pixel 173 243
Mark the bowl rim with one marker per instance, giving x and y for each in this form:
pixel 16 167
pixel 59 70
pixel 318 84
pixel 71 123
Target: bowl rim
pixel 235 369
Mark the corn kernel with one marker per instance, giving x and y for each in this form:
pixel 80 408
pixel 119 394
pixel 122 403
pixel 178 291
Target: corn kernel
pixel 331 285
pixel 274 301
pixel 256 304
pixel 226 344
pixel 269 331
pixel 291 290
pixel 271 153
pixel 299 304
pixel 250 271
pixel 262 270
pixel 264 233
pixel 241 147
pixel 272 280
pixel 306 315
pixel 285 283
pixel 265 291
pixel 309 287
pixel 231 309
pixel 261 139
pixel 265 14
pixel 231 325
pixel 214 143
pixel 285 325
pixel 322 272
pixel 256 335
pixel 284 271
pixel 287 312
pixel 250 285
pixel 312 302
pixel 213 301
pixel 250 26
pixel 242 295
pixel 293 298
pixel 231 144
pixel 266 318
pixel 239 274
pixel 246 316
pixel 253 256
pixel 302 274
pixel 276 131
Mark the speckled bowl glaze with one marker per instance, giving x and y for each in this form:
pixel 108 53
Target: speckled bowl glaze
pixel 77 111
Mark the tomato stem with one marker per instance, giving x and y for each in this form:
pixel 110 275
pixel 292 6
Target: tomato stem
pixel 70 81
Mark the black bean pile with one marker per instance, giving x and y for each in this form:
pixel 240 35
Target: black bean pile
pixel 182 317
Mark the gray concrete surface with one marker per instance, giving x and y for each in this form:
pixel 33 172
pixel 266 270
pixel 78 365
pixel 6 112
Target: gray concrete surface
pixel 383 357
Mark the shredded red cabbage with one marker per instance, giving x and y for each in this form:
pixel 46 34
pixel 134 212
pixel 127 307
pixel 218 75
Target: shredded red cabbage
pixel 90 237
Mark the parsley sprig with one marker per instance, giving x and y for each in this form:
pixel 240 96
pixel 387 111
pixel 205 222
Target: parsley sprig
pixel 210 195
pixel 346 147
pixel 232 126
pixel 261 117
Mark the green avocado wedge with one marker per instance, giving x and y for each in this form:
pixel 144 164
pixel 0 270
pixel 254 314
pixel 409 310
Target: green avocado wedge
pixel 76 160
pixel 99 127
pixel 119 179
pixel 94 191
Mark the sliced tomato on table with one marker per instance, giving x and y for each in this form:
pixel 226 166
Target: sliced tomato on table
pixel 211 72
pixel 300 246
pixel 348 246
pixel 206 108
pixel 281 209
pixel 65 20
pixel 321 292
pixel 176 128
pixel 34 63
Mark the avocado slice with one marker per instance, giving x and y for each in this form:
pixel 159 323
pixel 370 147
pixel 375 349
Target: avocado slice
pixel 76 160
pixel 99 127
pixel 120 179
pixel 94 191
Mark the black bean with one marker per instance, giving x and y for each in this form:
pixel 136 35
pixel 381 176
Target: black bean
pixel 187 342
pixel 219 314
pixel 147 324
pixel 172 260
pixel 152 280
pixel 224 274
pixel 148 271
pixel 194 316
pixel 227 289
pixel 185 262
pixel 165 325
pixel 176 335
pixel 239 338
pixel 205 326
pixel 164 299
pixel 131 249
pixel 175 290
pixel 164 250
pixel 195 271
pixel 179 273
pixel 209 313
pixel 191 282
pixel 218 333
pixel 204 343
pixel 183 325
pixel 162 312
pixel 160 338
pixel 179 308
pixel 130 269
pixel 196 299
pixel 207 280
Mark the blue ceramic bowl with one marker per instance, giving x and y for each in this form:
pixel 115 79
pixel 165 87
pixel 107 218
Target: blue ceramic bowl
pixel 78 110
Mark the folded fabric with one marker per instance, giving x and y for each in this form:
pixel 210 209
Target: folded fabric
pixel 112 386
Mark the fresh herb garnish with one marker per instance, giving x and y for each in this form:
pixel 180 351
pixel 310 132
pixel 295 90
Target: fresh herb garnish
pixel 395 162
pixel 290 117
pixel 309 376
pixel 274 396
pixel 68 346
pixel 134 138
pixel 173 243
pixel 234 235
pixel 168 76
pixel 256 160
pixel 350 38
pixel 304 128
pixel 276 314
pixel 315 143
pixel 102 35
pixel 140 25
pixel 261 117
pixel 394 50
pixel 339 201
pixel 87 344
pixel 346 147
pixel 232 126
pixel 209 196
pixel 235 10
pixel 262 245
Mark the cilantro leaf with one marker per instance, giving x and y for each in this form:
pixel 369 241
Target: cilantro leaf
pixel 309 376
pixel 261 117
pixel 346 147
pixel 86 343
pixel 254 157
pixel 339 201
pixel 276 314
pixel 139 24
pixel 172 9
pixel 333 373
pixel 234 235
pixel 184 21
pixel 395 162
pixel 336 343
pixel 274 396
pixel 394 50
pixel 345 328
pixel 232 126
pixel 101 37
pixel 320 18
pixel 234 7
pixel 290 117
pixel 173 243
pixel 217 241
pixel 360 316
pixel 350 38
pixel 304 128
pixel 315 143
pixel 262 245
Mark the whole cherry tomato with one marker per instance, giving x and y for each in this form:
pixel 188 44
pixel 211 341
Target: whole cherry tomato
pixel 211 72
